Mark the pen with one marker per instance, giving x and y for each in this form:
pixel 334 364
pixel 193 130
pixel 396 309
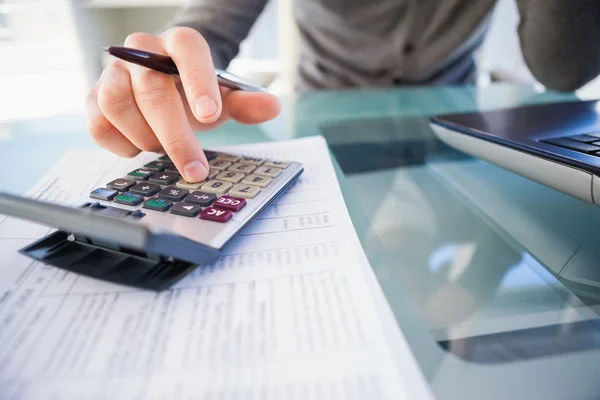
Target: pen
pixel 165 64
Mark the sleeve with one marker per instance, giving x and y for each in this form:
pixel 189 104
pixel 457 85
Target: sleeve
pixel 223 23
pixel 559 41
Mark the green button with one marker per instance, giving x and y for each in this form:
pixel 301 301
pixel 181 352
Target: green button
pixel 158 204
pixel 129 199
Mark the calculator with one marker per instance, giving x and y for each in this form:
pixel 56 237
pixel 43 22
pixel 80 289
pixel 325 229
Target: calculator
pixel 151 228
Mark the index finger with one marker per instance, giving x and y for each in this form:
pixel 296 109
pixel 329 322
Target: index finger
pixel 191 54
pixel 159 101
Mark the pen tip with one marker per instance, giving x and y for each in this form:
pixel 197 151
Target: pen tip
pixel 106 49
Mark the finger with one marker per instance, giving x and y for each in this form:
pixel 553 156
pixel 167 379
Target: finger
pixel 117 103
pixel 192 55
pixel 252 107
pixel 102 131
pixel 158 99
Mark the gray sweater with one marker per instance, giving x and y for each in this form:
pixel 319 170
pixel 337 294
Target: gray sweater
pixel 382 43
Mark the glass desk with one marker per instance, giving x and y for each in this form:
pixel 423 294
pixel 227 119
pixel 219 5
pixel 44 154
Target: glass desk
pixel 464 251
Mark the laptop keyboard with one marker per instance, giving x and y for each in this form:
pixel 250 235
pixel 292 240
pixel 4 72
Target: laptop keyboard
pixel 588 144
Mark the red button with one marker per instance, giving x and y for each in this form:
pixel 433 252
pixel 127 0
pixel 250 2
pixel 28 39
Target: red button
pixel 216 214
pixel 230 203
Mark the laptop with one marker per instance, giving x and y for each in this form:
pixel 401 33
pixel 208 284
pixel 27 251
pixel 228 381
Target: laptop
pixel 556 144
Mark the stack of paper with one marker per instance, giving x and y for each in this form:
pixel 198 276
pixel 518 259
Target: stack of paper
pixel 286 313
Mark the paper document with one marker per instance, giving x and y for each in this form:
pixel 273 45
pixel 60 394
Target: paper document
pixel 284 314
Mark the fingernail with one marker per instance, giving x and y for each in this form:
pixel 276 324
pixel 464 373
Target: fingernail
pixel 206 107
pixel 194 172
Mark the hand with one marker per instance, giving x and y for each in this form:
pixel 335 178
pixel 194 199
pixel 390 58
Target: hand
pixel 132 108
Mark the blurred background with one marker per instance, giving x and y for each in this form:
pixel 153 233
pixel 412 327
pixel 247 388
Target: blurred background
pixel 50 50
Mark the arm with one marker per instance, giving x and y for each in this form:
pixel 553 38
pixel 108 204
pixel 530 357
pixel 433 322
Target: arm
pixel 223 23
pixel 559 40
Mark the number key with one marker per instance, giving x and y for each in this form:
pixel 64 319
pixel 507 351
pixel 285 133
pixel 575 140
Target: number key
pixel 230 176
pixel 252 160
pixel 232 158
pixel 277 164
pixel 245 191
pixel 244 168
pixel 257 180
pixel 217 187
pixel 219 164
pixel 182 184
pixel 271 172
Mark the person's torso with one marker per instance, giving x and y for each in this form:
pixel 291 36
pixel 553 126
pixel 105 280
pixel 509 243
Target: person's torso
pixel 381 43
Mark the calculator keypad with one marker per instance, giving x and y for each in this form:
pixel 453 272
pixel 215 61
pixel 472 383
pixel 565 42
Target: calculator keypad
pixel 232 181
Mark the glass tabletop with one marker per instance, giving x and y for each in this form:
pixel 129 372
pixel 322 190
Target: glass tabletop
pixel 466 253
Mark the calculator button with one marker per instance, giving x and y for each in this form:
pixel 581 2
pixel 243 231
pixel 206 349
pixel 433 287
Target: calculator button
pixel 212 174
pixel 271 172
pixel 252 160
pixel 232 158
pixel 164 158
pixel 128 198
pixel 140 174
pixel 186 209
pixel 230 203
pixel 245 191
pixel 219 164
pixel 121 184
pixel 218 187
pixel 171 168
pixel 156 165
pixel 245 168
pixel 277 164
pixel 230 176
pixel 157 204
pixel 182 184
pixel 173 193
pixel 103 194
pixel 164 178
pixel 145 189
pixel 216 214
pixel 201 198
pixel 257 180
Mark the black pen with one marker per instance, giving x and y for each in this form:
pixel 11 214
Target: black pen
pixel 165 64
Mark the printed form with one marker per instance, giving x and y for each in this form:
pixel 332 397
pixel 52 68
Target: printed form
pixel 286 312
